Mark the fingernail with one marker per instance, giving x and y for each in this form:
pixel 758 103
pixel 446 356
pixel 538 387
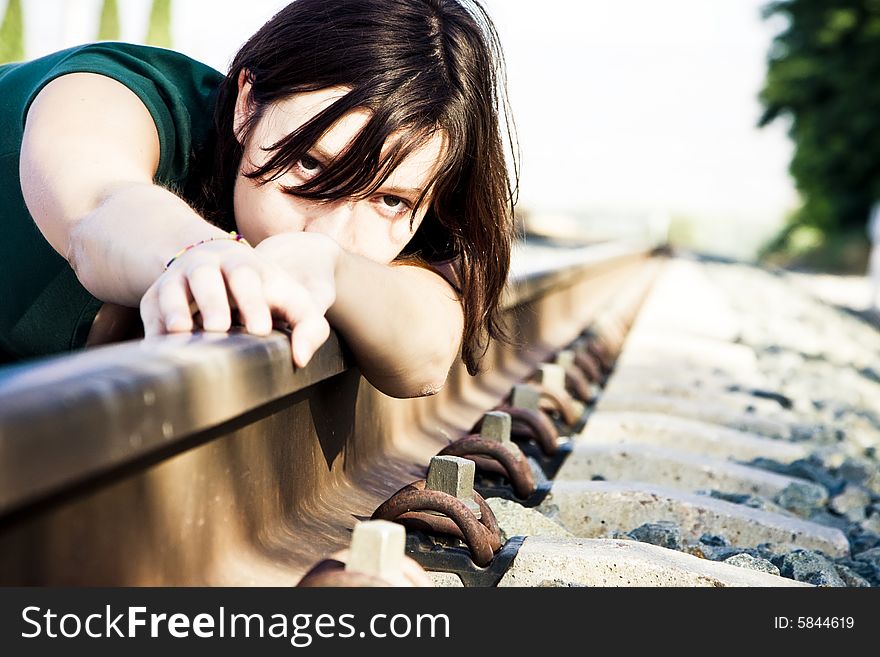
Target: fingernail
pixel 302 354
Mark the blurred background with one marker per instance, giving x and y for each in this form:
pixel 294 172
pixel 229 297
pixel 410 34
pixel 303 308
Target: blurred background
pixel 740 128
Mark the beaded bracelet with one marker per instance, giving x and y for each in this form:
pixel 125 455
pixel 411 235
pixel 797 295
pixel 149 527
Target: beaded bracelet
pixel 236 237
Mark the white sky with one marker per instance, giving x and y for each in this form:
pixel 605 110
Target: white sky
pixel 639 105
pixel 644 103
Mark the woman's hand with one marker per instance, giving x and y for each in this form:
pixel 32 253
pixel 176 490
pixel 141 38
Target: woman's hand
pixel 310 258
pixel 214 277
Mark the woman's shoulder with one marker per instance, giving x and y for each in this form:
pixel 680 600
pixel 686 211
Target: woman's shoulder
pixel 179 92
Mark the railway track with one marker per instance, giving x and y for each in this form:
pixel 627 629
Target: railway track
pixel 661 421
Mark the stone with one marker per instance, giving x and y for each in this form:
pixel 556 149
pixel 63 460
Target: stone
pixel 871 373
pixel 871 556
pixel 871 523
pixel 801 498
pixel 751 501
pixel 823 517
pixel 720 554
pixel 809 567
pixel 850 577
pixel 744 560
pixel 872 483
pixel 861 540
pixel 713 540
pixel 769 551
pixel 665 534
pixel 863 569
pixel 830 458
pixel 809 468
pixel 851 502
pixel 857 471
pixel 517 520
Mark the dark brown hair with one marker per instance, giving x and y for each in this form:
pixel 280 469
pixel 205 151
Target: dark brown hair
pixel 419 66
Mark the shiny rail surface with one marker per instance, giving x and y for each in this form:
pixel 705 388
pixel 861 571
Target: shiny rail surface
pixel 209 459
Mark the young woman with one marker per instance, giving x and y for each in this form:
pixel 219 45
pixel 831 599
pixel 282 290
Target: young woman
pixel 349 168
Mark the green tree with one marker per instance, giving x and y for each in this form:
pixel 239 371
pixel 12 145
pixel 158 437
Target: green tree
pixel 159 32
pixel 822 76
pixel 108 28
pixel 12 33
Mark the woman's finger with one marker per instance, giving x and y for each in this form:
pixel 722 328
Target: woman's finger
pixel 208 289
pixel 149 309
pixel 246 289
pixel 172 302
pixel 295 305
pixel 307 336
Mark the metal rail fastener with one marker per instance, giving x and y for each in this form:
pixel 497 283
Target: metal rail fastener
pixel 445 511
pixel 576 382
pixel 492 456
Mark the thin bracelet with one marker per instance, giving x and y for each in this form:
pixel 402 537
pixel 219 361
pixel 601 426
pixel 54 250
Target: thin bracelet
pixel 235 237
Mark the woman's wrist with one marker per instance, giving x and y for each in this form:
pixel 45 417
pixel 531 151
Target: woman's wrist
pixel 231 236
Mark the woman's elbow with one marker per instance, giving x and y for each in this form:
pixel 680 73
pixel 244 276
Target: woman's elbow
pixel 419 381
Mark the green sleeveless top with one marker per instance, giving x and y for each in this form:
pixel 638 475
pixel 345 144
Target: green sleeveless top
pixel 43 307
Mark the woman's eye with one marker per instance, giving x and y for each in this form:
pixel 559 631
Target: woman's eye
pixel 392 201
pixel 308 163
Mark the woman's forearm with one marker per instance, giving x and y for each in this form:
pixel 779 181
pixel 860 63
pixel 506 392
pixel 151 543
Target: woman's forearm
pixel 404 324
pixel 121 247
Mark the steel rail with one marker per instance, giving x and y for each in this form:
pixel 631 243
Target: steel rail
pixel 210 459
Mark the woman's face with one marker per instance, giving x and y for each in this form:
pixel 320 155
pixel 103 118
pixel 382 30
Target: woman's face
pixel 377 227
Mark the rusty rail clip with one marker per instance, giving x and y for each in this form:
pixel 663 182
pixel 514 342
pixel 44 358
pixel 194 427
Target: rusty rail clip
pixel 577 384
pixel 589 365
pixel 410 504
pixel 494 457
pixel 560 402
pixel 434 555
pixel 566 420
pixel 602 348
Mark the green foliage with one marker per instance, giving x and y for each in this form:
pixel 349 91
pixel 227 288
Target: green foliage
pixel 159 32
pixel 804 247
pixel 12 33
pixel 823 74
pixel 108 28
